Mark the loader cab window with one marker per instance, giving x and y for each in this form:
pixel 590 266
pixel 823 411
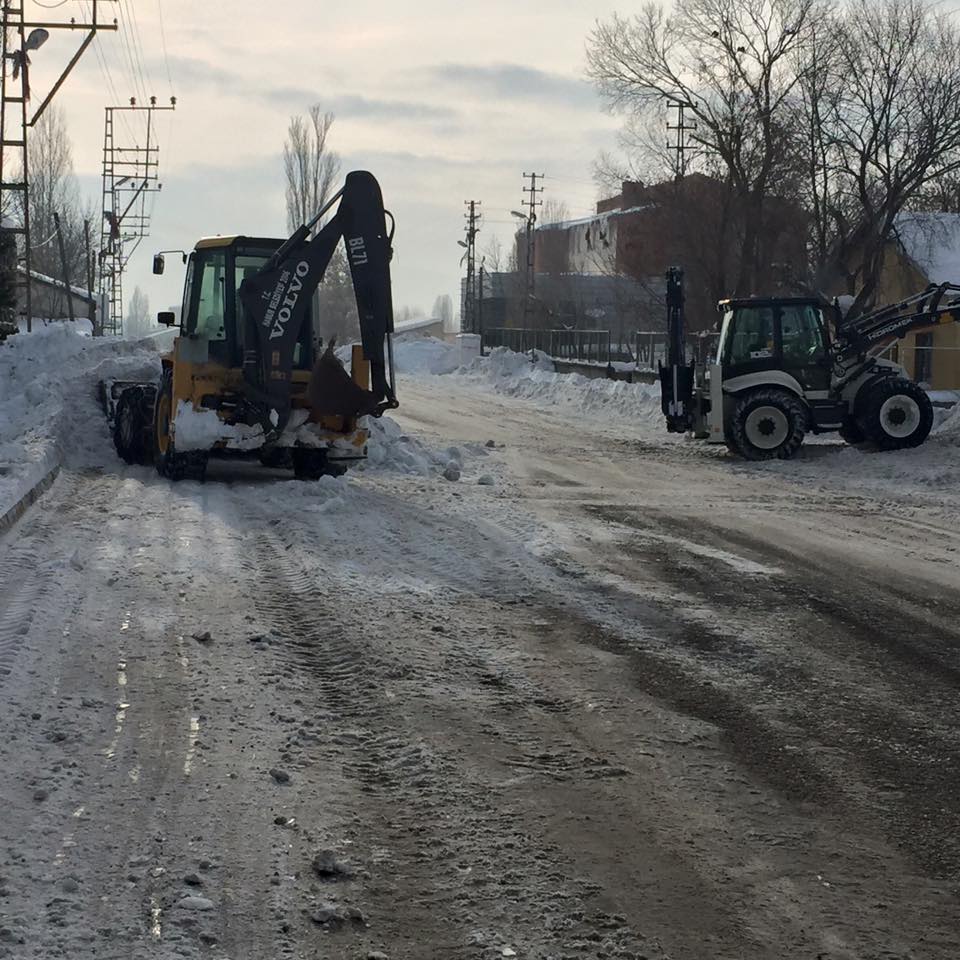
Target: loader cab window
pixel 802 332
pixel 187 291
pixel 748 335
pixel 207 311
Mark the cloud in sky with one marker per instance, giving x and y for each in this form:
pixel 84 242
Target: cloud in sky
pixel 514 81
pixel 442 103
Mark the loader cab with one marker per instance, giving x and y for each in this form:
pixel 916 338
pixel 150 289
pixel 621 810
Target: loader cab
pixel 777 334
pixel 212 313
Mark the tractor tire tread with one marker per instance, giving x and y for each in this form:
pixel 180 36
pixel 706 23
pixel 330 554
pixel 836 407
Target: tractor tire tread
pixel 789 403
pixel 879 393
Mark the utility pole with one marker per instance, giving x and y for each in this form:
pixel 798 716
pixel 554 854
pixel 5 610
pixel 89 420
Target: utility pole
pixel 130 174
pixel 531 204
pixel 19 38
pixel 64 266
pixel 483 260
pixel 680 147
pixel 468 308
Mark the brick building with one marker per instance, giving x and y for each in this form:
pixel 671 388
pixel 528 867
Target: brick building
pixel 693 223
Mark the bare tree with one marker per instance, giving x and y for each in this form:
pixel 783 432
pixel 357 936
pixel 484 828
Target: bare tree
pixel 554 211
pixel 732 65
pixel 311 167
pixel 54 189
pixel 137 321
pixel 443 310
pixel 493 255
pixel 8 282
pixel 883 121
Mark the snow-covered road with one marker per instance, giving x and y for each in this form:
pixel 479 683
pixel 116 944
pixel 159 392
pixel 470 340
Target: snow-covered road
pixel 629 699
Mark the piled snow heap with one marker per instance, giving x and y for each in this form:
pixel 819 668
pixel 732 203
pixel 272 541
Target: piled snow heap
pixel 49 408
pixel 516 375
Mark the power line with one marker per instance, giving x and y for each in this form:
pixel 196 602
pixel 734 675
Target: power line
pixel 138 48
pixel 163 43
pixel 130 176
pixel 136 77
pixel 25 116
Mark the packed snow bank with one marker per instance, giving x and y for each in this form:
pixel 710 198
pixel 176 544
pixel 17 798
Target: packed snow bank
pixel 82 325
pixel 416 356
pixel 517 375
pixel 49 408
pixel 933 467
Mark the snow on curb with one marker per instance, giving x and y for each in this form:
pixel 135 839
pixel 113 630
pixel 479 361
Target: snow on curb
pixel 30 497
pixel 49 409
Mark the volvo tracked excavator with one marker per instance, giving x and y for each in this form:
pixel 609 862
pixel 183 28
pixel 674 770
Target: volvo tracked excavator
pixel 243 378
pixel 778 373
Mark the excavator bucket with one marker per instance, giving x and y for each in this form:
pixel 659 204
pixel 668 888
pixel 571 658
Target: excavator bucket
pixel 333 392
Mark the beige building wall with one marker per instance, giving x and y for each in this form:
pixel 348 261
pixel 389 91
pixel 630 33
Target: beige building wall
pixel 901 278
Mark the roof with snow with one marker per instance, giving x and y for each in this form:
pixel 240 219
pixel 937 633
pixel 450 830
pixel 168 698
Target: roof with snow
pixel 420 324
pixel 593 218
pixel 84 295
pixel 932 242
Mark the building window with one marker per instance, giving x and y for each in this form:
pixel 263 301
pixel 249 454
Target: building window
pixel 923 358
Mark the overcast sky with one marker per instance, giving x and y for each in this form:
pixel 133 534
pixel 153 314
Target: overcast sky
pixel 442 101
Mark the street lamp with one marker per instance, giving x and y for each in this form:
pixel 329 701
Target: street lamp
pixel 36 39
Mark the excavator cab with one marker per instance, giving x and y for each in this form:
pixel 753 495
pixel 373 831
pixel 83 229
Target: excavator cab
pixel 244 378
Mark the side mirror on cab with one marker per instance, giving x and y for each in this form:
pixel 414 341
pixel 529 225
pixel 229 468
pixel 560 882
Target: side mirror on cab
pixel 158 264
pixel 167 318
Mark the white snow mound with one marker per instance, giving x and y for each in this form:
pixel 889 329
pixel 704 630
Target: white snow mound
pixel 49 408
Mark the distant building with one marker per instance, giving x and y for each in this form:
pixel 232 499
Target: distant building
pixel 926 250
pixel 689 223
pixel 575 301
pixel 424 327
pixel 49 298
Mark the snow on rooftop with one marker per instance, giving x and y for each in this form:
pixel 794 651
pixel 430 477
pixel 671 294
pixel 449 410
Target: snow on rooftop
pixel 593 218
pixel 932 241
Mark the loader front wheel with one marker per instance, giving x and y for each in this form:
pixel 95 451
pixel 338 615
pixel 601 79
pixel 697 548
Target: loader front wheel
pixel 131 427
pixel 896 414
pixel 311 464
pixel 767 424
pixel 171 464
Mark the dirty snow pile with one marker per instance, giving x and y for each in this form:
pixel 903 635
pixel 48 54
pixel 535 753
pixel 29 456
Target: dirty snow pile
pixel 516 375
pixel 392 450
pixel 49 409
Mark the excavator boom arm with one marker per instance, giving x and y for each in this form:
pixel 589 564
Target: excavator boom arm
pixel 277 299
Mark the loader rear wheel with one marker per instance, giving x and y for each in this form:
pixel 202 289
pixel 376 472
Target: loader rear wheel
pixel 171 464
pixel 896 414
pixel 132 425
pixel 310 464
pixel 767 424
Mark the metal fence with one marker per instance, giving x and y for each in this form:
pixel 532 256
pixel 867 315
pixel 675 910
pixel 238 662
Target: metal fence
pixel 585 346
pixel 650 347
